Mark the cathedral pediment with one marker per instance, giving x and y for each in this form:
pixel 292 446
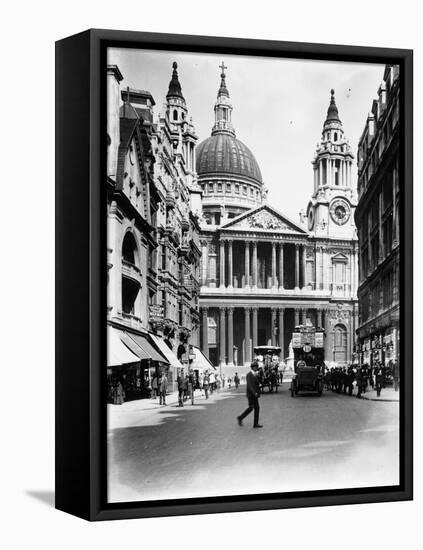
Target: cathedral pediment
pixel 264 218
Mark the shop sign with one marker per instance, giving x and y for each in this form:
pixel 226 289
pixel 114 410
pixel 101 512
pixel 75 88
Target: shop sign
pixel 156 312
pixel 319 340
pixel 296 340
pixel 308 336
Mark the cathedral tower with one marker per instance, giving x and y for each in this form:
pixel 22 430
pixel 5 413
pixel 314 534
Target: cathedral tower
pixel 331 210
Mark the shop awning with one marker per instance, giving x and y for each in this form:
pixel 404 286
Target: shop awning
pixel 117 352
pixel 145 350
pixel 200 361
pixel 167 352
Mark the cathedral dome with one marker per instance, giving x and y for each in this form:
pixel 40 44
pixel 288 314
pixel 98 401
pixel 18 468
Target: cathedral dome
pixel 222 154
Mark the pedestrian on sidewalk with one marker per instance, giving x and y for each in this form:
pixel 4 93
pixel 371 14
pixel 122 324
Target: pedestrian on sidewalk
pixel 212 382
pixel 206 382
pixel 378 372
pixel 253 394
pixel 395 373
pixel 200 383
pixel 154 387
pixel 191 386
pixel 118 393
pixel 359 381
pixel 163 388
pixel 181 388
pixel 236 380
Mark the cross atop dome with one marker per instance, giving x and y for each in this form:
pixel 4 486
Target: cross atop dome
pixel 223 90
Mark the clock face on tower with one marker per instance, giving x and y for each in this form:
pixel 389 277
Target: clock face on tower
pixel 340 211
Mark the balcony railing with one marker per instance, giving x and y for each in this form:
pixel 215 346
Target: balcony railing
pixel 131 270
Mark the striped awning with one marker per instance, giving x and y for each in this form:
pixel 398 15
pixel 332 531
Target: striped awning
pixel 200 361
pixel 164 348
pixel 117 352
pixel 146 349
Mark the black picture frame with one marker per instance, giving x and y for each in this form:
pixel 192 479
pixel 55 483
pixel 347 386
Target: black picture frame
pixel 81 276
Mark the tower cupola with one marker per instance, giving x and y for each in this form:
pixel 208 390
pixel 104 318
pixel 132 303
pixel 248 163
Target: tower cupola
pixel 175 101
pixel 223 108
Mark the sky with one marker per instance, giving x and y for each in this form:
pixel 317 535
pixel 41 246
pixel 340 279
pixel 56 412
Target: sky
pixel 279 106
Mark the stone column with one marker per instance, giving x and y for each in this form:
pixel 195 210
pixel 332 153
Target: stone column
pixel 230 266
pixel 255 325
pixel 282 332
pixel 304 254
pixel 321 173
pixel 255 266
pixel 328 172
pixel 281 266
pixel 273 323
pixel 222 336
pixel 297 316
pixel 319 318
pixel 273 265
pixel 205 327
pixel 222 264
pixel 230 336
pixel 247 355
pixel 297 266
pixel 247 263
pixel 328 337
pixel 205 262
pixel 303 312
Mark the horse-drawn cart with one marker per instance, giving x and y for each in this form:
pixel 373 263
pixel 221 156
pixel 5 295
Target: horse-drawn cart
pixel 268 359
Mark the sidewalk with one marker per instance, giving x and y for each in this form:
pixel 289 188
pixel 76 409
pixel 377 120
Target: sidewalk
pixel 387 394
pixel 129 412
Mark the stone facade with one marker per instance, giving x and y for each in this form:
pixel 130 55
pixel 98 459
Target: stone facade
pixel 262 273
pixel 153 228
pixel 377 219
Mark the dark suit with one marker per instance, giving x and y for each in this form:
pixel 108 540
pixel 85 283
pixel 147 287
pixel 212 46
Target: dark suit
pixel 253 393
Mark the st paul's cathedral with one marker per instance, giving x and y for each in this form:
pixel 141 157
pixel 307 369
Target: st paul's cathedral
pixel 262 273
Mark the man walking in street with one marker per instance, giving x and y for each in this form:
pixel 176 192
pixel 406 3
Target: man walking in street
pixel 253 394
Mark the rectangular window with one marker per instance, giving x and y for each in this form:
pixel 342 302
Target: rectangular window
pixel 228 187
pixel 237 189
pixel 219 187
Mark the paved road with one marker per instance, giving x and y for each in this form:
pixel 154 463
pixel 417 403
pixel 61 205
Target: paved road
pixel 307 442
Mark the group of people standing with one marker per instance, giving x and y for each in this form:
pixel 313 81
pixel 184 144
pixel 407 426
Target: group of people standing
pixel 207 383
pixel 344 379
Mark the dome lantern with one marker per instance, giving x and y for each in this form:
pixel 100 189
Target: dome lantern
pixel 223 108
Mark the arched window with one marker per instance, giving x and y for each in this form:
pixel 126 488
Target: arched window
pixel 130 275
pixel 129 247
pixel 340 343
pixel 175 114
pixel 335 136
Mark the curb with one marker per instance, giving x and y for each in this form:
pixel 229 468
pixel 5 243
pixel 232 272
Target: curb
pixel 381 399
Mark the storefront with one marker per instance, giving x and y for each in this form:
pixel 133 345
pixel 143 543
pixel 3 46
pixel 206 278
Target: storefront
pixel 132 361
pixel 198 361
pixel 174 364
